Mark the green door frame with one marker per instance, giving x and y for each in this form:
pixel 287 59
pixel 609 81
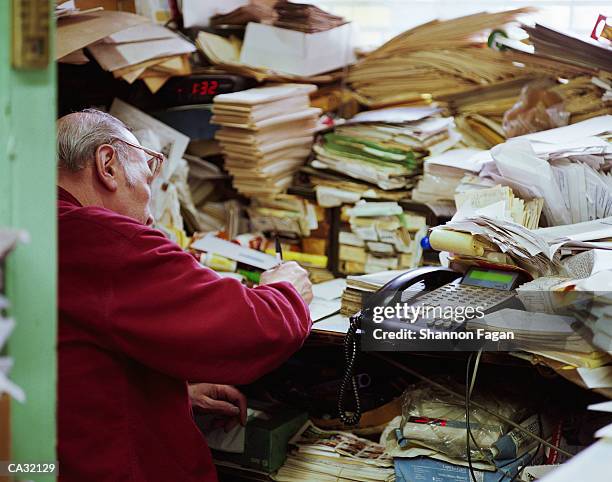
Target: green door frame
pixel 28 201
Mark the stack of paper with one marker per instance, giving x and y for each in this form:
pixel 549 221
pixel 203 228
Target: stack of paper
pixel 385 147
pixel 435 59
pixel 266 135
pixel 253 12
pixel 535 331
pixel 224 54
pixel 487 236
pixel 305 17
pixel 324 456
pixel 443 173
pixel 69 9
pixel 479 112
pixel 357 287
pixel 525 213
pixel 382 236
pixel 561 165
pixel 584 51
pixel 287 215
pixel 148 51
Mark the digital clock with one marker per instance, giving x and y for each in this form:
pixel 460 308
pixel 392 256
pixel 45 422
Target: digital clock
pixel 200 88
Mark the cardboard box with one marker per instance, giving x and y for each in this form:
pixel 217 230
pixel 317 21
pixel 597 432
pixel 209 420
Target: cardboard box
pixel 266 439
pixel 297 53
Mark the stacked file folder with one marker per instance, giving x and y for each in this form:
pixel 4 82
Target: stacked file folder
pixel 266 135
pixel 382 237
pixel 385 147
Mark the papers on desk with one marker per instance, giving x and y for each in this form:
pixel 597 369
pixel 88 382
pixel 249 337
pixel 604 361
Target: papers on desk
pixel 326 300
pixel 212 244
pixel 492 238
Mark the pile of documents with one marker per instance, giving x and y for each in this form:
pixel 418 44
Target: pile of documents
pixel 560 165
pixel 479 113
pixel 442 174
pixel 325 455
pixel 382 237
pixel 253 12
pixel 149 52
pixel 360 286
pixel 488 237
pixel 385 147
pixel 224 54
pixel 434 59
pixel 564 47
pixel 305 17
pixel 525 213
pixel 266 135
pixel 286 215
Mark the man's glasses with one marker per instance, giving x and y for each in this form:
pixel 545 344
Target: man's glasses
pixel 155 162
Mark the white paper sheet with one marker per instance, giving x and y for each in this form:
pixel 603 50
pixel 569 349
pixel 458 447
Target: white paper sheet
pixel 596 377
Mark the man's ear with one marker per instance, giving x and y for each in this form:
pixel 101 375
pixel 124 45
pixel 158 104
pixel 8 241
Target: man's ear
pixel 107 166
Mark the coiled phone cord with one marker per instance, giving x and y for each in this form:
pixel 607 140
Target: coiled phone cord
pixel 350 356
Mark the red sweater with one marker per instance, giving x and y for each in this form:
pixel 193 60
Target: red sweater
pixel 137 318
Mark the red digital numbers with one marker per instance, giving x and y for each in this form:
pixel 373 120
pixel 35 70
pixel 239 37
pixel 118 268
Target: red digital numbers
pixel 204 87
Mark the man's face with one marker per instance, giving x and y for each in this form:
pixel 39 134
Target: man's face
pixel 133 196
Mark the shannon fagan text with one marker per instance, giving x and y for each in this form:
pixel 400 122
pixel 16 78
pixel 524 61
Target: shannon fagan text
pixel 411 313
pixel 427 334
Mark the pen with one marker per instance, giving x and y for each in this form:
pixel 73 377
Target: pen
pixel 279 249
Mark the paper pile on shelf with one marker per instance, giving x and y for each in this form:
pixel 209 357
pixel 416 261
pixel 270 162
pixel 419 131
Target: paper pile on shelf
pixel 325 455
pixel 434 59
pixel 253 12
pixel 149 52
pixel 564 47
pixel 305 17
pixel 266 135
pixel 77 31
pixel 224 54
pixel 286 215
pixel 382 237
pixel 384 148
pixel 525 213
pixel 442 174
pixel 560 165
pixel 479 113
pixel 359 286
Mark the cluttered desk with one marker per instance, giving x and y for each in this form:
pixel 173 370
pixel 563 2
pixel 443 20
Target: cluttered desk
pixel 450 173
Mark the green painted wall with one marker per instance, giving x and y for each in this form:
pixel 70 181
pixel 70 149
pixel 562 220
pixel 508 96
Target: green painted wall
pixel 27 200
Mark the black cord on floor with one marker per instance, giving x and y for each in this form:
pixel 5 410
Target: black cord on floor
pixel 467 417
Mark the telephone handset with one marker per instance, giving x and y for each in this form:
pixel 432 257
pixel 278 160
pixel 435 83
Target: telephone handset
pixel 489 287
pixel 431 276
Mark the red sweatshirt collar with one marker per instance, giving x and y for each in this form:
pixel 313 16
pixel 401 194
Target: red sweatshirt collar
pixel 63 195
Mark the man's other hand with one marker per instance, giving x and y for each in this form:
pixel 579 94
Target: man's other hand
pixel 225 403
pixel 294 274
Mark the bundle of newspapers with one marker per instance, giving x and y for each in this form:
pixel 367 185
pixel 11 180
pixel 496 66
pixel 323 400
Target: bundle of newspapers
pixel 333 456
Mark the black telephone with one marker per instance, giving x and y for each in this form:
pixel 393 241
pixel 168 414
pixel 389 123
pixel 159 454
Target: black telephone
pixel 494 288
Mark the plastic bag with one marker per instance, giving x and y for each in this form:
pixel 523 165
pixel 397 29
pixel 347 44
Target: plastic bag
pixel 537 109
pixel 434 419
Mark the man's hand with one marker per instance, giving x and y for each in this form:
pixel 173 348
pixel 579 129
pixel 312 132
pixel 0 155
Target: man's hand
pixel 294 274
pixel 223 401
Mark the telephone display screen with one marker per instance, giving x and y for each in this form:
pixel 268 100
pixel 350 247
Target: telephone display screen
pixel 490 278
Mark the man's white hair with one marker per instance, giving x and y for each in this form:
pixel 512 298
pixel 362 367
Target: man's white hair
pixel 79 135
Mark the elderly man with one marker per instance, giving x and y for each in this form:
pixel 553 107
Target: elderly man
pixel 139 318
